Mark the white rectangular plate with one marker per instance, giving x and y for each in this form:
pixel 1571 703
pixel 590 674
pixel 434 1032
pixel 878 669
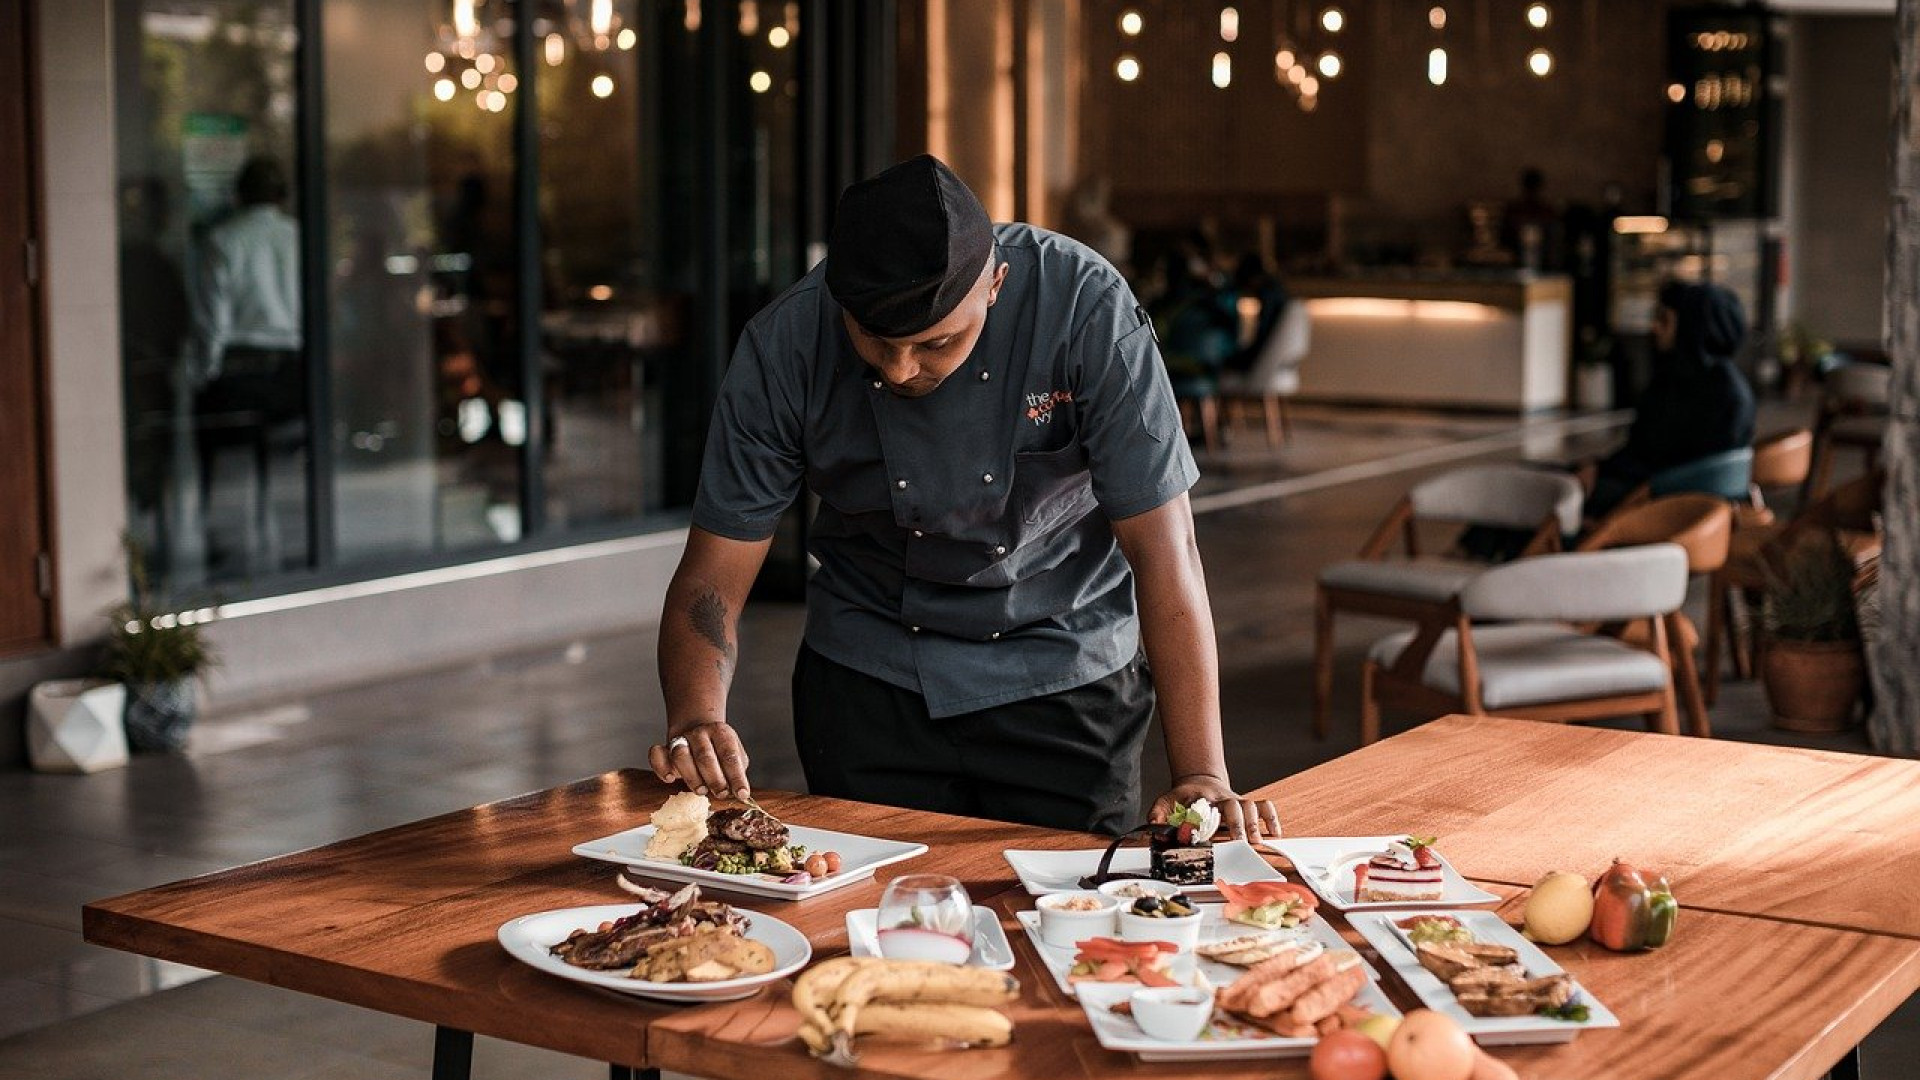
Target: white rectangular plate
pixel 1184 967
pixel 1043 872
pixel 860 856
pixel 1217 1043
pixel 1493 930
pixel 991 949
pixel 1325 864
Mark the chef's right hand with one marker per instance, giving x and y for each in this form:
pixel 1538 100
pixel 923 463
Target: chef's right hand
pixel 707 757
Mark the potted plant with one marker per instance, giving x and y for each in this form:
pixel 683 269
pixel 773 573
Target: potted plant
pixel 157 655
pixel 1813 663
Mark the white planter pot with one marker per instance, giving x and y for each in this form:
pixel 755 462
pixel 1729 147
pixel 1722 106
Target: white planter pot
pixel 74 726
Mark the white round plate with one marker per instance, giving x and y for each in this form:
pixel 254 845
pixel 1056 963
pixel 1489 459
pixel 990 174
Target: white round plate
pixel 529 937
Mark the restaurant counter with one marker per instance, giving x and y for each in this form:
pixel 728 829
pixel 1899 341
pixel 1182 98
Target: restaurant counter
pixel 1487 341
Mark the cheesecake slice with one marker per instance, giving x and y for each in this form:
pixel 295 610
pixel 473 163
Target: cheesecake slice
pixel 1406 872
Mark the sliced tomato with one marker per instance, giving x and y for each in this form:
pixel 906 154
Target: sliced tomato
pixel 1101 948
pixel 1255 893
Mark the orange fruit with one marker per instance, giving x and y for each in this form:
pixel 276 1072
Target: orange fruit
pixel 1429 1046
pixel 1347 1055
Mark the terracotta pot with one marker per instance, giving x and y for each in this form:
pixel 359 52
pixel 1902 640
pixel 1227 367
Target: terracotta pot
pixel 1813 686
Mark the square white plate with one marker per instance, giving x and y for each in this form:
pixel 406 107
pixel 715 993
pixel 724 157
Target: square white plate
pixel 530 939
pixel 1043 872
pixel 991 949
pixel 1493 930
pixel 1325 864
pixel 1185 966
pixel 860 856
pixel 1221 1042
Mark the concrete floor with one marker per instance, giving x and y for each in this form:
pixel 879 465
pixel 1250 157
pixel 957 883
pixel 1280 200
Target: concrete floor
pixel 307 772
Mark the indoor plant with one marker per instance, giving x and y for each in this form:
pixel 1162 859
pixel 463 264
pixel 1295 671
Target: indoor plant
pixel 1813 663
pixel 157 654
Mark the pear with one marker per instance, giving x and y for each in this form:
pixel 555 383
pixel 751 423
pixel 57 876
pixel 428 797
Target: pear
pixel 1559 908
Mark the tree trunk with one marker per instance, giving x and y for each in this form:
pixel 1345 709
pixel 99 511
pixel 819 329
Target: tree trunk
pixel 1895 725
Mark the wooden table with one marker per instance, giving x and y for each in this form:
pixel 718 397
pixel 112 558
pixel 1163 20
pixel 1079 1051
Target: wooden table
pixel 1769 975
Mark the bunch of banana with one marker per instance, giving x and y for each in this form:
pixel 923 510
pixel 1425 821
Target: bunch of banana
pixel 900 999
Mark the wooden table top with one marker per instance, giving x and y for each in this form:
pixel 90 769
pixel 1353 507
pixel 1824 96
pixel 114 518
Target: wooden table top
pixel 1768 976
pixel 1796 835
pixel 403 920
pixel 1728 999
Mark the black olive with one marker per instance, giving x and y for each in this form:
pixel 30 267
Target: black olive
pixel 1147 905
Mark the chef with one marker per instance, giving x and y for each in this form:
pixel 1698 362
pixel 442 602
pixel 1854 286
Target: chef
pixel 1008 579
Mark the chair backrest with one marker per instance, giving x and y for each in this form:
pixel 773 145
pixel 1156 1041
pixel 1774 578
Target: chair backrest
pixel 1508 496
pixel 1274 369
pixel 1858 386
pixel 1728 474
pixel 1783 459
pixel 1586 586
pixel 1702 524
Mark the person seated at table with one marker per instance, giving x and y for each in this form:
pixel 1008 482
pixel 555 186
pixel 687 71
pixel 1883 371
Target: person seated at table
pixel 1697 403
pixel 1003 526
pixel 1259 287
pixel 1197 323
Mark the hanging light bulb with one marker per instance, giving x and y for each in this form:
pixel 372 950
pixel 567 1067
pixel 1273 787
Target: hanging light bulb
pixel 443 89
pixel 777 37
pixel 1676 93
pixel 1283 59
pixel 1309 102
pixel 1222 70
pixel 602 86
pixel 484 63
pixel 1538 16
pixel 691 19
pixel 555 48
pixel 1333 20
pixel 1437 66
pixel 1437 17
pixel 466 23
pixel 1130 23
pixel 1127 68
pixel 1330 65
pixel 626 39
pixel 749 18
pixel 1310 86
pixel 1296 74
pixel 792 15
pixel 600 17
pixel 435 63
pixel 1229 24
pixel 760 81
pixel 1540 62
pixel 470 79
pixel 508 84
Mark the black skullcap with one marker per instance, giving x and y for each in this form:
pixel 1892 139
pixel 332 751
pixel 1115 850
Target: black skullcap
pixel 907 246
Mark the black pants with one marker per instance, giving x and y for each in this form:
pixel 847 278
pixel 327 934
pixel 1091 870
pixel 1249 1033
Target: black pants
pixel 1069 760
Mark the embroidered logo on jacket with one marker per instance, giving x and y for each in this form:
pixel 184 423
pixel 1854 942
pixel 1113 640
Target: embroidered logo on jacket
pixel 1040 406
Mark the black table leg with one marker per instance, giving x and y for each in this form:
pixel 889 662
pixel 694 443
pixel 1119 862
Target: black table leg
pixel 452 1054
pixel 1847 1068
pixel 628 1072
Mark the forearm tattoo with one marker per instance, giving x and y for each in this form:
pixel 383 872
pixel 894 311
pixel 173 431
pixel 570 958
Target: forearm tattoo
pixel 708 613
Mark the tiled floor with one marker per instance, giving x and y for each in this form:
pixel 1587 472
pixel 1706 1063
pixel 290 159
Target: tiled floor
pixel 308 772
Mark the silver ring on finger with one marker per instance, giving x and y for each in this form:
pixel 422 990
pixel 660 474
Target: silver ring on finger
pixel 678 742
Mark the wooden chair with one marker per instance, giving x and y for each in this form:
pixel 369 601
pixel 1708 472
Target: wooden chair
pixel 1535 666
pixel 1413 588
pixel 1850 510
pixel 1274 377
pixel 1853 416
pixel 1703 526
pixel 1781 461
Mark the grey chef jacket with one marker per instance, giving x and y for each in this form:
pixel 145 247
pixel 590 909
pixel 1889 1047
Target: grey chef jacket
pixel 963 537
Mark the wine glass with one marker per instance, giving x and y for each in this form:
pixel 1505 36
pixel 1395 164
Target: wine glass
pixel 925 917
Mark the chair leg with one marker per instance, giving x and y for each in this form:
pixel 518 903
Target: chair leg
pixel 1210 423
pixel 1688 676
pixel 1746 653
pixel 1286 422
pixel 1369 705
pixel 1322 662
pixel 1271 405
pixel 1718 608
pixel 1818 476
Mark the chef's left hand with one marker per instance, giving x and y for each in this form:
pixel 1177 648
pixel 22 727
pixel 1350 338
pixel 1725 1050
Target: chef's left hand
pixel 1245 819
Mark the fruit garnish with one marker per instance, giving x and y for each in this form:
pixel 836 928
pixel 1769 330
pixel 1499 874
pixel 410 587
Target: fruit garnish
pixel 1574 1011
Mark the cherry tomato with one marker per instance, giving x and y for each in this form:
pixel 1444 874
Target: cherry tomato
pixel 833 862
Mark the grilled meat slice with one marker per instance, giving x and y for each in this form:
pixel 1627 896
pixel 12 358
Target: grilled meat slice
pixel 751 826
pixel 1513 996
pixel 617 947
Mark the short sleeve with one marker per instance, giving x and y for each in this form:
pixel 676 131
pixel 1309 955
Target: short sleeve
pixel 1129 423
pixel 754 460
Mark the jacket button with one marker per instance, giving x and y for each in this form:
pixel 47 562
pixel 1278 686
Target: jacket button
pixel 913 629
pixel 986 478
pixel 1000 549
pixel 876 384
pixel 985 375
pixel 901 484
pixel 995 636
pixel 917 534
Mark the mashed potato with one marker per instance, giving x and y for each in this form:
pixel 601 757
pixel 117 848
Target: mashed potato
pixel 680 823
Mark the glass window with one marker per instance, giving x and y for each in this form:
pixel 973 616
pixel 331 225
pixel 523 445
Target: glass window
pixel 617 255
pixel 429 416
pixel 212 336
